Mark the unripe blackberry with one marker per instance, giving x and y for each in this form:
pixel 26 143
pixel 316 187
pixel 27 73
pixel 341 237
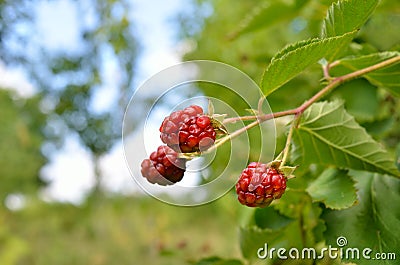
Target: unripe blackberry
pixel 188 130
pixel 196 134
pixel 164 167
pixel 259 185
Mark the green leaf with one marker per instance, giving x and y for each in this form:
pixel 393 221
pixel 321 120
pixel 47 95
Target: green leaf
pixel 388 77
pixel 253 238
pixel 267 14
pixel 346 16
pixel 360 97
pixel 297 206
pixel 334 188
pixel 327 134
pixel 270 218
pixel 218 261
pixel 373 223
pixel 295 58
pixel 288 171
pixel 297 230
pixel 304 176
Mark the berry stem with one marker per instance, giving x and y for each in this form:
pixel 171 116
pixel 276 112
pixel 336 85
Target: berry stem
pixel 261 118
pixel 325 70
pixel 294 124
pixel 334 82
pixel 231 136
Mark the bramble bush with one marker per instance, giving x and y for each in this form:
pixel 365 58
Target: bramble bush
pixel 342 143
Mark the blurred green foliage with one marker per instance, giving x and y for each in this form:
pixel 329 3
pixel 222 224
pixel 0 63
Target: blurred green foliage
pixel 117 230
pixel 21 139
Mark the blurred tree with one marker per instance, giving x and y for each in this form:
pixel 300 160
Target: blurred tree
pixel 21 138
pixel 69 80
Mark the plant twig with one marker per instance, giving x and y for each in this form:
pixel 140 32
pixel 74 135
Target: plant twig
pixel 335 82
pixel 341 79
pixel 231 136
pixel 262 118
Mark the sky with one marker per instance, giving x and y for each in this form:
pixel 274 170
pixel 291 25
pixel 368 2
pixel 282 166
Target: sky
pixel 70 170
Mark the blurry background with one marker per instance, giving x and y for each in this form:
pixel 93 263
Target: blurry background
pixel 67 71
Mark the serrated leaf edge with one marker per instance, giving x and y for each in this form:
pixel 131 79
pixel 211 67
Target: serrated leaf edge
pixel 288 51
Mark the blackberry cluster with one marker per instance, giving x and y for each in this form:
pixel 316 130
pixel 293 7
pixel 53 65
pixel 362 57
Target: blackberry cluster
pixel 190 130
pixel 183 131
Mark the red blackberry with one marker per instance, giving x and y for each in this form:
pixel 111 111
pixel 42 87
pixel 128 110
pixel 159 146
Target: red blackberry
pixel 259 185
pixel 164 167
pixel 196 134
pixel 188 130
